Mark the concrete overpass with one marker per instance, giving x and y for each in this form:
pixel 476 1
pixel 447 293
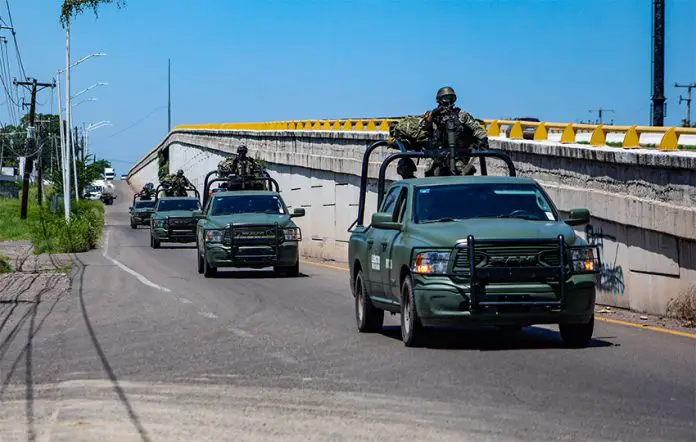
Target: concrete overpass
pixel 642 201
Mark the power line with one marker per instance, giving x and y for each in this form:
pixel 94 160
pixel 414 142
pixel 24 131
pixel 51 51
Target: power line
pixel 137 122
pixel 14 37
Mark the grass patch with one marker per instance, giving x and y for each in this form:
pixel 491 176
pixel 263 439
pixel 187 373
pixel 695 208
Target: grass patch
pixel 5 266
pixel 683 307
pixel 48 232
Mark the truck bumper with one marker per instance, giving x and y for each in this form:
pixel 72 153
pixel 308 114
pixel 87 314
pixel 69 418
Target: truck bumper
pixel 448 304
pixel 179 236
pixel 222 256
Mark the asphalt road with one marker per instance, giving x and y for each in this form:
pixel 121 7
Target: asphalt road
pixel 147 349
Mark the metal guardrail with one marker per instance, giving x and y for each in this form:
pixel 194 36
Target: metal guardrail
pixel 631 140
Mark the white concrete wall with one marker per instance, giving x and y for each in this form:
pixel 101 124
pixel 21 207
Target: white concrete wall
pixel 148 174
pixel 643 202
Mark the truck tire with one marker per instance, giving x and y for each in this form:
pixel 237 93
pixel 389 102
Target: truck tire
pixel 208 270
pixel 412 331
pixel 200 260
pixel 368 318
pixel 288 271
pixel 133 224
pixel 154 242
pixel 577 335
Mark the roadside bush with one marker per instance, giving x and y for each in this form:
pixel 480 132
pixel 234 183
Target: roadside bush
pixel 51 234
pixel 683 307
pixel 5 265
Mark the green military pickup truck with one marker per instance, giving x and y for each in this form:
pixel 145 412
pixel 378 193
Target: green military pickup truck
pixel 140 212
pixel 459 250
pixel 174 218
pixel 247 229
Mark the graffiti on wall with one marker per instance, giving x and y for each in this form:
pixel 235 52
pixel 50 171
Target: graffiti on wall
pixel 610 278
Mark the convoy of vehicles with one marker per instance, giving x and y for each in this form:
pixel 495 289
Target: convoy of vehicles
pixel 502 256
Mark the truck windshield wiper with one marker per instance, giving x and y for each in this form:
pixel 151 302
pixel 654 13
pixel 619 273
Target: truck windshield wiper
pixel 527 217
pixel 441 220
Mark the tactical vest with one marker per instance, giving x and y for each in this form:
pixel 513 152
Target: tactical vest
pixel 462 136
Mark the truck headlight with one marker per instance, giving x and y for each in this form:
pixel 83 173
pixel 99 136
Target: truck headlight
pixel 292 234
pixel 158 223
pixel 431 263
pixel 213 235
pixel 583 260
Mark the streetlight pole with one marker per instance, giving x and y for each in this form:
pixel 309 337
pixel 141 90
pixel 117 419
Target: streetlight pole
pixel 68 135
pixel 65 132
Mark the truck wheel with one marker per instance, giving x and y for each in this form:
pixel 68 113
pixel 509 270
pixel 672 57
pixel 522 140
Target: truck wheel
pixel 291 272
pixel 200 260
pixel 577 335
pixel 208 270
pixel 154 242
pixel 369 318
pixel 133 225
pixel 412 331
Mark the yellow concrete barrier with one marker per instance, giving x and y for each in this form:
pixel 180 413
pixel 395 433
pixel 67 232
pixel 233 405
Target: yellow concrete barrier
pixel 494 128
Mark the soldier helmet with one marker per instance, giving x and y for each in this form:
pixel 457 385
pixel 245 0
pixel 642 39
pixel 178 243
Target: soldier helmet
pixel 242 150
pixel 179 172
pixel 446 94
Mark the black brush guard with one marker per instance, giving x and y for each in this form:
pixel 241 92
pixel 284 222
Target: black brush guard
pixel 479 277
pixel 274 243
pixel 170 230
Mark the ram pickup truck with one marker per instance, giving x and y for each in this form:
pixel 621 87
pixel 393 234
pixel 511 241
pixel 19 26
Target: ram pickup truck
pixel 248 228
pixel 463 250
pixel 140 212
pixel 174 220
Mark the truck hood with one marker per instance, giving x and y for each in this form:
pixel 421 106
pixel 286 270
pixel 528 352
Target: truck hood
pixel 251 218
pixel 446 234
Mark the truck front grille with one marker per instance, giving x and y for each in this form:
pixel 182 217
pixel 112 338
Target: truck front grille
pixel 507 256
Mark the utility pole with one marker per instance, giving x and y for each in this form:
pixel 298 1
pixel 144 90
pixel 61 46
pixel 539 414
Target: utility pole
pixel 688 87
pixel 658 64
pixel 169 96
pixel 600 112
pixel 30 143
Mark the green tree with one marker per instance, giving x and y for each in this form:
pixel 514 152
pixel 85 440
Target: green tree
pixel 86 174
pixel 72 8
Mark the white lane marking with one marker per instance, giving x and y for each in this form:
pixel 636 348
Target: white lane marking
pixel 306 379
pixel 285 358
pixel 49 424
pixel 240 332
pixel 185 301
pixel 127 269
pixel 208 315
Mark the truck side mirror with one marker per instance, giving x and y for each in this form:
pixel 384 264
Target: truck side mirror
pixel 298 212
pixel 578 217
pixel 383 220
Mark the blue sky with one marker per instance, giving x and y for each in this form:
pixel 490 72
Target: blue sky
pixel 273 60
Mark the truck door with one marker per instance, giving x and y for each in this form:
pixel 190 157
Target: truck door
pixel 390 274
pixel 375 253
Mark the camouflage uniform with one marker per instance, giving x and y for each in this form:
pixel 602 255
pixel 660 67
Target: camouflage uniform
pixel 430 128
pixel 470 134
pixel 177 184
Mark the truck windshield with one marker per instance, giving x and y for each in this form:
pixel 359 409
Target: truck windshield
pixel 144 204
pixel 482 200
pixel 234 204
pixel 170 205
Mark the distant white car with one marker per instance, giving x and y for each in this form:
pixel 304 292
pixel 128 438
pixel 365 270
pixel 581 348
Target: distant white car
pixel 124 177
